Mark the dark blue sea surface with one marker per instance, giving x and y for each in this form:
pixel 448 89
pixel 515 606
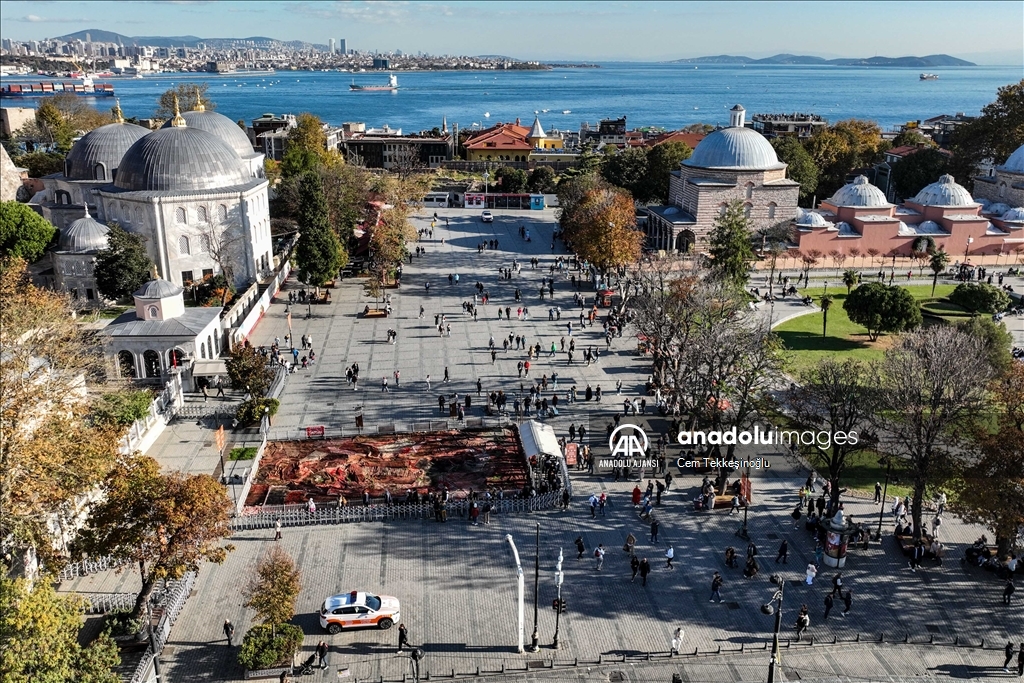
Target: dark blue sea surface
pixel 668 95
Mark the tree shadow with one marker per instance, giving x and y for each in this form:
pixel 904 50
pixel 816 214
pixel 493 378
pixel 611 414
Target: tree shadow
pixel 808 341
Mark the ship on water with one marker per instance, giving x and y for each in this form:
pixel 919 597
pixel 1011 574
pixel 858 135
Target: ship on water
pixel 929 77
pixel 392 86
pixel 49 88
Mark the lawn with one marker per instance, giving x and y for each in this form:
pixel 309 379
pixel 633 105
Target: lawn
pixel 806 346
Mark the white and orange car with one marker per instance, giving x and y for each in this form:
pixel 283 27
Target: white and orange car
pixel 359 610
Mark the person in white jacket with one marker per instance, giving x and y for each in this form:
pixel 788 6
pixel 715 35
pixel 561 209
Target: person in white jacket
pixel 812 571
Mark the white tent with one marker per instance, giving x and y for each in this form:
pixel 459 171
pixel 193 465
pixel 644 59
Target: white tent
pixel 539 439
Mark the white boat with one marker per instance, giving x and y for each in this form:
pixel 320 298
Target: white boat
pixel 567 111
pixel 487 114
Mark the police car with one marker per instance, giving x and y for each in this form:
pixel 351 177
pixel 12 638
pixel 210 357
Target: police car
pixel 358 610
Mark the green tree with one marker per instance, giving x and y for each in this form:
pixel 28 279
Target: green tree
pixel 318 252
pixel 53 127
pixel 40 164
pixel 978 297
pixel 273 590
pixel 995 338
pixel 188 95
pixel 24 233
pixel 249 371
pixel 882 308
pixel 730 248
pixel 626 169
pixel 124 265
pixel 993 135
pixel 661 161
pixel 306 148
pixel 164 524
pixel 911 173
pixel 121 408
pixel 826 303
pixel 800 165
pixel 911 137
pixel 938 262
pixel 39 637
pixel 849 279
pixel 541 180
pixel 510 180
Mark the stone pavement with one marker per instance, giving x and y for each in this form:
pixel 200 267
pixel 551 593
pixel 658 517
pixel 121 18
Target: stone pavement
pixel 456 583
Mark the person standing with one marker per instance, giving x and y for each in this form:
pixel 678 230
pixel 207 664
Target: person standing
pixel 634 565
pixel 803 621
pixel 878 492
pixel 1020 660
pixel 1009 656
pixel 1008 591
pixel 677 641
pixel 783 553
pixel 716 587
pixel 654 530
pixel 645 569
pixel 829 603
pixel 599 556
pixel 669 556
pixel 229 632
pixel 403 637
pixel 321 653
pixel 812 571
pixel 837 584
pixel 580 548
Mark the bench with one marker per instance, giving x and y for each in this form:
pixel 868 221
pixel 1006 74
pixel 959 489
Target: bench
pixel 374 313
pixel 907 544
pixel 725 502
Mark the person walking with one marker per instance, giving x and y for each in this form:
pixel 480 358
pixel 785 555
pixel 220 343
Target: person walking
pixel 634 565
pixel 645 569
pixel 716 587
pixel 878 492
pixel 403 637
pixel 783 553
pixel 229 632
pixel 677 641
pixel 847 603
pixel 446 377
pixel 580 548
pixel 829 603
pixel 654 530
pixel 669 556
pixel 803 621
pixel 1009 656
pixel 277 529
pixel 837 584
pixel 321 653
pixel 1020 660
pixel 812 571
pixel 599 556
pixel 1008 590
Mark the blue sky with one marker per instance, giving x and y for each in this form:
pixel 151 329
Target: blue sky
pixel 984 32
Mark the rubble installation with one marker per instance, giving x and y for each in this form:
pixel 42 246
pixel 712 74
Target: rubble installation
pixel 325 470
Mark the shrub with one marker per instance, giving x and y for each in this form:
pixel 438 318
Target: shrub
pixel 121 624
pixel 247 453
pixel 121 408
pixel 252 410
pixel 261 650
pixel 978 297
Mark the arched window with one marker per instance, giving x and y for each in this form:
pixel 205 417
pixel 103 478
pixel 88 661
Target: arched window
pixel 151 360
pixel 202 350
pixel 750 190
pixel 179 215
pixel 113 212
pixel 175 358
pixel 216 343
pixel 99 171
pixel 204 244
pixel 222 212
pixel 153 312
pixel 138 216
pixel 183 246
pixel 126 365
pixel 771 209
pixel 201 214
pixel 62 197
pixel 746 210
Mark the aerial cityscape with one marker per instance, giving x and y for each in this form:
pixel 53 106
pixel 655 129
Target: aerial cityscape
pixel 511 342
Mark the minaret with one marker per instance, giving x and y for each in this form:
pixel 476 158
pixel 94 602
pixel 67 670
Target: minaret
pixel 178 121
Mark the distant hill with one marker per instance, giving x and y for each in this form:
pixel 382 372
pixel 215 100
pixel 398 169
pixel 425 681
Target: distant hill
pixel 927 61
pixel 99 35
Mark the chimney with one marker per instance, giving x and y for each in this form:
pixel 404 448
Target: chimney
pixel 737 115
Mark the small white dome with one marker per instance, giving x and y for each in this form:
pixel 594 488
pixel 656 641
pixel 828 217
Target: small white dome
pixel 928 226
pixel 1015 163
pixel 998 208
pixel 811 219
pixel 860 193
pixel 1015 215
pixel 945 192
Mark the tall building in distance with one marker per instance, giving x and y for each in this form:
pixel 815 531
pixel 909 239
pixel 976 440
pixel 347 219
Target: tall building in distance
pixel 342 48
pixel 330 45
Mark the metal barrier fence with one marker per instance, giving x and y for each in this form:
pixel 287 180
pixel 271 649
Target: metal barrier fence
pixel 177 594
pixel 297 515
pixel 106 603
pixel 200 411
pixel 337 432
pixel 86 567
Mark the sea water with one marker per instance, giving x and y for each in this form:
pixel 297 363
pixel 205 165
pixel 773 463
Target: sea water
pixel 666 95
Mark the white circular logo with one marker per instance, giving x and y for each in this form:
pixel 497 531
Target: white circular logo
pixel 628 445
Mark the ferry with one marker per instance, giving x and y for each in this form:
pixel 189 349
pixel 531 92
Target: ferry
pixel 48 88
pixel 929 77
pixel 392 86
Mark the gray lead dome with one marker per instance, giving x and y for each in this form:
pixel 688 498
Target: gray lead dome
pixel 84 235
pixel 157 289
pixel 105 145
pixel 735 148
pixel 221 126
pixel 180 159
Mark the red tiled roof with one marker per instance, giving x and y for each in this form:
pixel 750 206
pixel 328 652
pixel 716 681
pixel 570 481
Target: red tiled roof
pixel 503 136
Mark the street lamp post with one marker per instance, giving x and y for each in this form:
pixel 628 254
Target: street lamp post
pixel 885 492
pixel 769 608
pixel 535 638
pixel 559 576
pixel 967 249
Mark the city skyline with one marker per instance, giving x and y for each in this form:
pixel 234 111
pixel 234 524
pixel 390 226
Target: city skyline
pixel 661 31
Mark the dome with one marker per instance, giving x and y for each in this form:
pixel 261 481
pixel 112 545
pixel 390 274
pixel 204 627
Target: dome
pixel 181 158
pixel 929 226
pixel 735 148
pixel 84 235
pixel 1014 215
pixel 811 219
pixel 158 289
pixel 859 193
pixel 945 192
pixel 105 145
pixel 221 126
pixel 1015 163
pixel 998 208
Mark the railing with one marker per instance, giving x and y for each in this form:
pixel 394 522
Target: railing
pixel 160 410
pixel 198 411
pixel 177 594
pixel 331 432
pixel 250 476
pixel 105 603
pixel 86 567
pixel 297 515
pixel 277 385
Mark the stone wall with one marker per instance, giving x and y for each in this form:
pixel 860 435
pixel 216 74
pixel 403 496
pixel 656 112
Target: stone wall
pixel 1000 188
pixel 10 179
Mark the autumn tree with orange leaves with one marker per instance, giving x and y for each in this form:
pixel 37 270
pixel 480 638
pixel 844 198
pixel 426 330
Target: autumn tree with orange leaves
pixel 599 224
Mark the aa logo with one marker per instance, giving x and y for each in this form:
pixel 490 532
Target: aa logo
pixel 628 441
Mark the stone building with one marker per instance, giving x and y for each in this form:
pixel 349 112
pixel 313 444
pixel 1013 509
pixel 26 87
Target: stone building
pixel 731 164
pixel 1006 185
pixel 75 258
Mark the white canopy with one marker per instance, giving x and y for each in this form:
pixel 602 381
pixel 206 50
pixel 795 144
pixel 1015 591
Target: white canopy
pixel 538 439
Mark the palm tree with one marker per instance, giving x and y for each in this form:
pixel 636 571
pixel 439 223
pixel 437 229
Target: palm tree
pixel 938 263
pixel 849 279
pixel 826 303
